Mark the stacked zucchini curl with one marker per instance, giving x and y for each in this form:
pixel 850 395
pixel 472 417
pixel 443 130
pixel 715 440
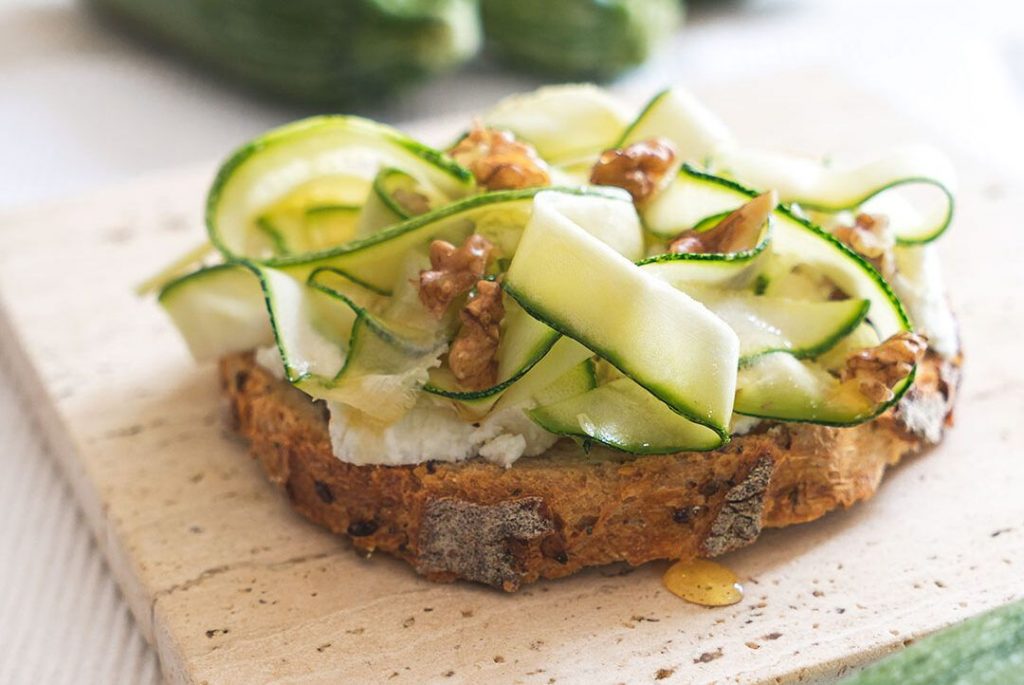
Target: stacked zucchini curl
pixel 639 282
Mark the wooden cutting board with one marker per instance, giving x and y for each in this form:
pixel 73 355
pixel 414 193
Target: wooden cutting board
pixel 232 587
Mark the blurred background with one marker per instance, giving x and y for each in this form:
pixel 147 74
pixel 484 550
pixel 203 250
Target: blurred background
pixel 96 92
pixel 101 92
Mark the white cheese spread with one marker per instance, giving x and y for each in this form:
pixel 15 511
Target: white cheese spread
pixel 741 425
pixel 433 431
pixel 270 359
pixel 429 431
pixel 920 286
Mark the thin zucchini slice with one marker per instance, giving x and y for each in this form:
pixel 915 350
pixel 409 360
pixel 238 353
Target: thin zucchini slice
pixel 382 374
pixel 780 386
pixel 181 266
pixel 566 371
pixel 377 261
pixel 389 352
pixel 733 269
pixel 394 197
pixel 330 224
pixel 797 241
pixel 861 338
pixel 693 199
pixel 317 214
pixel 308 342
pixel 722 283
pixel 416 332
pixel 608 216
pixel 625 416
pixel 341 152
pixel 563 123
pixel 768 324
pixel 782 278
pixel 677 115
pixel 575 172
pixel 611 219
pixel 332 344
pixel 574 382
pixel 565 355
pixel 878 186
pixel 736 270
pixel 239 306
pixel 401 193
pixel 655 334
pixel 274 231
pixel 218 310
pixel 702 138
pixel 290 229
pixel 325 225
pixel 524 341
pixel 525 389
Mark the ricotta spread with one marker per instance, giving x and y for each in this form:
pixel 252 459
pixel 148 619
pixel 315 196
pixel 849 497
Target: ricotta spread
pixel 741 425
pixel 920 286
pixel 431 430
pixel 270 359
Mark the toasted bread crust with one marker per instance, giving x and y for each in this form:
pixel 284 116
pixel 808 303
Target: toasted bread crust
pixel 550 516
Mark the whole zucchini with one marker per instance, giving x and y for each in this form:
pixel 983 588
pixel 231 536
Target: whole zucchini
pixel 985 650
pixel 325 52
pixel 583 39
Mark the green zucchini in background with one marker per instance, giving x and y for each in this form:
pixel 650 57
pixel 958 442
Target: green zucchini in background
pixel 985 650
pixel 592 39
pixel 326 52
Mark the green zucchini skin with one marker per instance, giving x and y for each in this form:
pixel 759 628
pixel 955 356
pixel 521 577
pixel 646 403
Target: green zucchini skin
pixel 984 650
pixel 321 52
pixel 580 39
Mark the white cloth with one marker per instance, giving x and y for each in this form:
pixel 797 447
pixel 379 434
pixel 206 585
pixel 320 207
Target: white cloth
pixel 62 619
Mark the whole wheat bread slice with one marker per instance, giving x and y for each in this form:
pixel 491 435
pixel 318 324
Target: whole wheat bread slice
pixel 550 516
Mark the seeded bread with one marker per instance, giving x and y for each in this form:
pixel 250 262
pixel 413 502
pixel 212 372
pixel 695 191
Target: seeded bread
pixel 550 516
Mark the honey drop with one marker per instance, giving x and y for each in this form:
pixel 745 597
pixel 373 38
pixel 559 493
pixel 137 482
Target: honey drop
pixel 703 582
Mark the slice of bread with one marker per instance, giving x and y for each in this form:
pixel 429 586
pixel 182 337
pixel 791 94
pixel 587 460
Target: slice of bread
pixel 550 516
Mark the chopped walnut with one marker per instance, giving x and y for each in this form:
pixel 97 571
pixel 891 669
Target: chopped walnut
pixel 737 232
pixel 639 168
pixel 877 369
pixel 871 238
pixel 453 271
pixel 499 161
pixel 472 356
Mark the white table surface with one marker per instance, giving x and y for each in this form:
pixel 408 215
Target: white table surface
pixel 81 107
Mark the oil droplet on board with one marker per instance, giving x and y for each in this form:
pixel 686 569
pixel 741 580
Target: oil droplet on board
pixel 703 582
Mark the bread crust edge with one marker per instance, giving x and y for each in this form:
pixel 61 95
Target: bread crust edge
pixel 550 516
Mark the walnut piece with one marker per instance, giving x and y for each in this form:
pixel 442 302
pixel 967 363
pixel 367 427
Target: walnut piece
pixel 736 232
pixel 499 161
pixel 639 168
pixel 877 369
pixel 453 271
pixel 871 238
pixel 472 356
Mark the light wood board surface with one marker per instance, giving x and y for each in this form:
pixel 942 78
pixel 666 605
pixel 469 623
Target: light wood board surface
pixel 234 588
